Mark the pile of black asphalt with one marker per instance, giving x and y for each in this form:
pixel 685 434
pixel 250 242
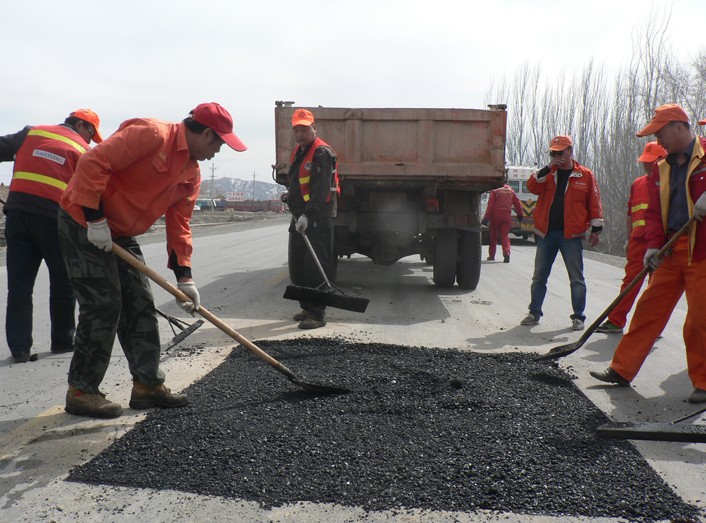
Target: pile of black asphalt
pixel 422 428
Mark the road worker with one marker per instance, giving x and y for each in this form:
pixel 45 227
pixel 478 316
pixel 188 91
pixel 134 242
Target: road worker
pixel 677 192
pixel 636 245
pixel 498 218
pixel 313 189
pixel 45 157
pixel 147 169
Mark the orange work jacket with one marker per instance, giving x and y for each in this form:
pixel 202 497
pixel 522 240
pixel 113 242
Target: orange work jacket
pixel 141 172
pixel 582 201
pixel 637 207
pixel 46 160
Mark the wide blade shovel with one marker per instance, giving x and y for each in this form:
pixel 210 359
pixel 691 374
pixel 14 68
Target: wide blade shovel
pixel 325 294
pixel 257 351
pixel 565 350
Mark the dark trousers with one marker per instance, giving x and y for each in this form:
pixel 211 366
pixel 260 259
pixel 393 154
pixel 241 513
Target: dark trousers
pixel 113 298
pixel 32 238
pixel 302 268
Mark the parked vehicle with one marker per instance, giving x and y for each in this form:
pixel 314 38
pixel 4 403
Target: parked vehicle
pixel 411 181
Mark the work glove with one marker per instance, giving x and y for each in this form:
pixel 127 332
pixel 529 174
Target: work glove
pixel 189 288
pixel 484 221
pixel 302 223
pixel 99 235
pixel 700 207
pixel 650 260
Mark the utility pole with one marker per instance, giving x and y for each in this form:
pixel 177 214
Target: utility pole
pixel 253 186
pixel 213 183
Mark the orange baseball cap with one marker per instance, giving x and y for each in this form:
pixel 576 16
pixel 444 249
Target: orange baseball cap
pixel 302 117
pixel 702 122
pixel 217 118
pixel 561 142
pixel 664 114
pixel 89 116
pixel 652 152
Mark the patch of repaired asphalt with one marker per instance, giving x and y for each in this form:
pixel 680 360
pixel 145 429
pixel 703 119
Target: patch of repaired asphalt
pixel 422 428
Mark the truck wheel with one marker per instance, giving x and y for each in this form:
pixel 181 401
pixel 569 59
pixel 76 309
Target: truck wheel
pixel 485 236
pixel 445 254
pixel 469 257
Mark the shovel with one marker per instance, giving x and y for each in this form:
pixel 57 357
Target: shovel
pixel 257 351
pixel 326 293
pixel 565 350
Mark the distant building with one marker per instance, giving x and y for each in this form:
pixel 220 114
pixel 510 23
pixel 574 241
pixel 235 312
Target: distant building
pixel 236 196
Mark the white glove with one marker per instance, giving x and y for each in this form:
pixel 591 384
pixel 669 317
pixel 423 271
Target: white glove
pixel 99 235
pixel 650 260
pixel 189 288
pixel 302 223
pixel 700 207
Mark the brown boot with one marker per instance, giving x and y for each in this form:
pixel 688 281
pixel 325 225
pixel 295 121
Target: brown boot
pixel 144 397
pixel 81 403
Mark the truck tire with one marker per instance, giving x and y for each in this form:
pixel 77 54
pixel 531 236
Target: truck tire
pixel 469 259
pixel 445 255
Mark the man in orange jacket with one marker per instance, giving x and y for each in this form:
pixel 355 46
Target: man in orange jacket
pixel 147 169
pixel 677 192
pixel 636 245
pixel 568 205
pixel 45 157
pixel 499 215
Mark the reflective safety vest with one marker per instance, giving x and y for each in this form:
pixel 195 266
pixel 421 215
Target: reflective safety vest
pixel 46 161
pixel 306 167
pixel 637 205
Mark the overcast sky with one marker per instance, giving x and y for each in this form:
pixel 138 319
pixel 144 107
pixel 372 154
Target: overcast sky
pixel 160 58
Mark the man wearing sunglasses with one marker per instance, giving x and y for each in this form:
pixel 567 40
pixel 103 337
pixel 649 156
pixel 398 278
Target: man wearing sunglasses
pixel 45 158
pixel 568 206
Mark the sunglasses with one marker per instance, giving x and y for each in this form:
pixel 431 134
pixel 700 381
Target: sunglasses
pixel 554 154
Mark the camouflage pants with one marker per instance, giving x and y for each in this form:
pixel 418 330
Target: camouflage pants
pixel 113 298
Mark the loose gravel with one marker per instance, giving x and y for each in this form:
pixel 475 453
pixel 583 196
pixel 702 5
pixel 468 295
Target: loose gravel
pixel 423 428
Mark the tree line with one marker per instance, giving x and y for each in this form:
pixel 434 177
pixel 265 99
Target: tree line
pixel 602 115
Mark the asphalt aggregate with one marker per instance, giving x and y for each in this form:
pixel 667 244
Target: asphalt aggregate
pixel 421 428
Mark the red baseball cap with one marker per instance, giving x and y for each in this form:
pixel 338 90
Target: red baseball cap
pixel 652 152
pixel 302 117
pixel 217 118
pixel 89 116
pixel 561 142
pixel 664 114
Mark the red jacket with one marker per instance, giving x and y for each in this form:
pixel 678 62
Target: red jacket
pixel 658 208
pixel 500 204
pixel 582 201
pixel 143 171
pixel 637 206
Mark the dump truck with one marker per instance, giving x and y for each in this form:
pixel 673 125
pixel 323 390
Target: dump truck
pixel 410 179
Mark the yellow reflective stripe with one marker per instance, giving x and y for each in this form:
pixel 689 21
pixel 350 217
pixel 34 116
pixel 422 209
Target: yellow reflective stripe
pixel 39 178
pixel 304 180
pixel 54 136
pixel 638 207
pixel 638 223
pixel 306 197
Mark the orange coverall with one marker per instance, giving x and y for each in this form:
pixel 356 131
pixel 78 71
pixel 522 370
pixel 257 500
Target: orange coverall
pixel 684 271
pixel 499 215
pixel 637 245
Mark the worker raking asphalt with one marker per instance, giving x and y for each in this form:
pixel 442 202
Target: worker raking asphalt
pixel 423 428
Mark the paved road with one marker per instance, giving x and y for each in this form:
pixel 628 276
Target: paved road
pixel 241 274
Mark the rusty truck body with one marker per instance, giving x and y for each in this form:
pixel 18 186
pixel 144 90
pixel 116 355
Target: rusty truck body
pixel 410 180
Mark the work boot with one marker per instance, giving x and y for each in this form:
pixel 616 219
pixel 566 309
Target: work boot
pixel 300 316
pixel 698 396
pixel 577 325
pixel 530 319
pixel 81 403
pixel 608 327
pixel 61 350
pixel 610 376
pixel 24 358
pixel 311 323
pixel 144 397
pixel 490 258
pixel 506 259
